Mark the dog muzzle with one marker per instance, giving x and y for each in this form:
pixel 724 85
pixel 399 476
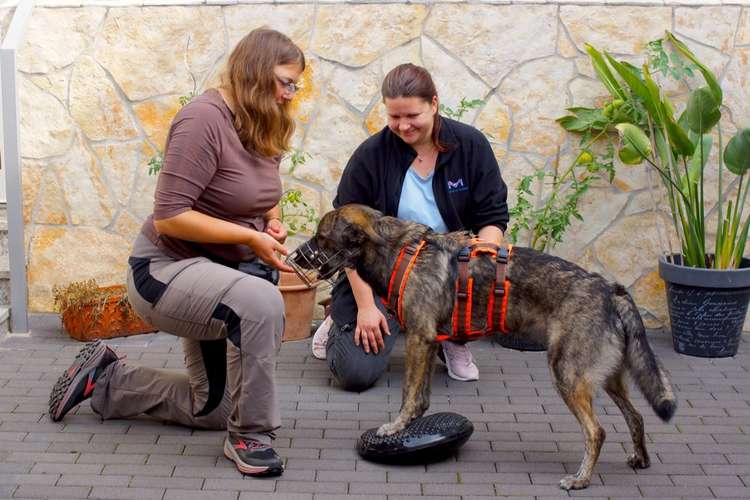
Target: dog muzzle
pixel 313 264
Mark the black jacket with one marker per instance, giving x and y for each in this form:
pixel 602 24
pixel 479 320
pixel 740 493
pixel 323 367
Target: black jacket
pixel 469 191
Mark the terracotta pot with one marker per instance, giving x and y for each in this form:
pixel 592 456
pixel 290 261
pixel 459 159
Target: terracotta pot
pixel 299 304
pixel 108 319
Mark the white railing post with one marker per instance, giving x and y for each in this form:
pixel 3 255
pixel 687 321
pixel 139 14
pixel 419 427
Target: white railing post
pixel 11 164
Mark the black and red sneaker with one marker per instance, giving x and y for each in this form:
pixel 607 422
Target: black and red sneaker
pixel 252 457
pixel 77 383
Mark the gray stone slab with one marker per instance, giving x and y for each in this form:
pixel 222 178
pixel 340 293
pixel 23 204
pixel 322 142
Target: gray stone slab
pixel 525 438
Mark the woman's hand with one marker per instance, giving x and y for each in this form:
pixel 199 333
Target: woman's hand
pixel 276 229
pixel 266 248
pixel 371 324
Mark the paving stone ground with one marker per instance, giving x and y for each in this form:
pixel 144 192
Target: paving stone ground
pixel 524 441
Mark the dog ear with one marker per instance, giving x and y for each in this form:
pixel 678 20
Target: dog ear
pixel 362 218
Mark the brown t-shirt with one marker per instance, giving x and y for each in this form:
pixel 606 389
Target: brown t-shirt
pixel 207 169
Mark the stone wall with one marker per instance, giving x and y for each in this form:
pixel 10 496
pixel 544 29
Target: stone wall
pixel 99 86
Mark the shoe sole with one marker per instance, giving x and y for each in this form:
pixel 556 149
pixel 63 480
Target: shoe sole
pixel 61 391
pixel 249 470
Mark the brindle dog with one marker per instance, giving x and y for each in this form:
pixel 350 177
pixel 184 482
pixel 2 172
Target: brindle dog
pixel 591 327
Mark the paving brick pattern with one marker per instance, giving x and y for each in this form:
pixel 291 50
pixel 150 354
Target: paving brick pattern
pixel 524 440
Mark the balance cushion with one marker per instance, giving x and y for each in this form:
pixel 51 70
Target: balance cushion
pixel 426 439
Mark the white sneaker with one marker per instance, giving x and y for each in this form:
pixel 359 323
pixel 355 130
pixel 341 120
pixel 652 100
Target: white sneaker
pixel 320 338
pixel 459 361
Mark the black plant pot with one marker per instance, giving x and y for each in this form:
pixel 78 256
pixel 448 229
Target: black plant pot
pixel 517 342
pixel 707 307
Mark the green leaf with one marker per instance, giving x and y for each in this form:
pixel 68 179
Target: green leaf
pixel 702 111
pixel 604 73
pixel 655 106
pixel 583 119
pixel 573 123
pixel 636 145
pixel 633 80
pixel 708 75
pixel 737 152
pixel 697 163
pixel 678 138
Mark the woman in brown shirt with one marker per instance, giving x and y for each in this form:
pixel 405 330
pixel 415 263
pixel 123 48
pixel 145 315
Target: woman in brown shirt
pixel 215 208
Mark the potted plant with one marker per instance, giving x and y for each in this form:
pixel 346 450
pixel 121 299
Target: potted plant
pixel 92 312
pixel 708 282
pixel 299 299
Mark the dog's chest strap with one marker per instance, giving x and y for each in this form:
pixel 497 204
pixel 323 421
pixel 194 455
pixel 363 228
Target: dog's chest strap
pixel 400 276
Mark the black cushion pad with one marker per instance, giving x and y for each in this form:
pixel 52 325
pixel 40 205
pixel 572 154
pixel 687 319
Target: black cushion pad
pixel 426 439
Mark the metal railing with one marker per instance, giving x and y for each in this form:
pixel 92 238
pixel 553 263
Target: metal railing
pixel 11 164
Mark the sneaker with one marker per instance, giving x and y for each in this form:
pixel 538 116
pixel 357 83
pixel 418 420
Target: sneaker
pixel 76 384
pixel 459 361
pixel 320 338
pixel 252 457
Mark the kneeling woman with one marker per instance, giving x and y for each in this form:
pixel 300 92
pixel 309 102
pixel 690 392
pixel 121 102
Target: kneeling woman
pixel 421 167
pixel 215 208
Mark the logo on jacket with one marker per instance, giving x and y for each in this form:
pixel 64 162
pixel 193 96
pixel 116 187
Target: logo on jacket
pixel 457 186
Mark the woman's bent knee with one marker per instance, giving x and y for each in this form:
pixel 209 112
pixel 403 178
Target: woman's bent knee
pixel 352 373
pixel 260 299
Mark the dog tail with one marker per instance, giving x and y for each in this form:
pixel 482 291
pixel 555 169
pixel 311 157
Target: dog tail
pixel 642 364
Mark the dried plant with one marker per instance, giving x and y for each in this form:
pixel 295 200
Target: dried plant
pixel 80 295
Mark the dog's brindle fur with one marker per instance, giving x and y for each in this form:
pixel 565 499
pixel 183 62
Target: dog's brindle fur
pixel 591 327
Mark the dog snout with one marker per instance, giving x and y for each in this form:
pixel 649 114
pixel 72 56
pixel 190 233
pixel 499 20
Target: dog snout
pixel 306 255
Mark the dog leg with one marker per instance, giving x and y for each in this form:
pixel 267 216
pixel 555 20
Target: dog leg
pixel 415 395
pixel 578 397
pixel 618 391
pixel 423 403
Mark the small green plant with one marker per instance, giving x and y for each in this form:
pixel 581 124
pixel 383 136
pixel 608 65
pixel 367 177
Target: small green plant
pixel 463 106
pixel 155 163
pixel 295 213
pixel 547 223
pixel 184 99
pixel 669 64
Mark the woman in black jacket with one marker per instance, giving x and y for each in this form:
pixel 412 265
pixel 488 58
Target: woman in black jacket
pixel 421 167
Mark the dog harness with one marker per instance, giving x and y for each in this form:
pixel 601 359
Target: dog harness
pixel 460 328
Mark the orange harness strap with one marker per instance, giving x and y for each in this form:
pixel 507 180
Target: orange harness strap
pixel 462 307
pixel 400 276
pixel 497 306
pixel 498 300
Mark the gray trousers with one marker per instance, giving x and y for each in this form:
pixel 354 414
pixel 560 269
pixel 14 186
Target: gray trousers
pixel 353 368
pixel 231 325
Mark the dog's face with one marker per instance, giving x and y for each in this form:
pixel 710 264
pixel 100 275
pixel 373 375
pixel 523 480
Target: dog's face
pixel 337 242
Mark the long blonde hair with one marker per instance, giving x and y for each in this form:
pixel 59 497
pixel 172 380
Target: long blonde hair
pixel 262 124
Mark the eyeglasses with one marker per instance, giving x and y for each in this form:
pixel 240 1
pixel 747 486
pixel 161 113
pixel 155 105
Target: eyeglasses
pixel 287 84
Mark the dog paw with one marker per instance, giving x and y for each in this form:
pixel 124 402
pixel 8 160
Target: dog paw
pixel 638 461
pixel 574 483
pixel 389 429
